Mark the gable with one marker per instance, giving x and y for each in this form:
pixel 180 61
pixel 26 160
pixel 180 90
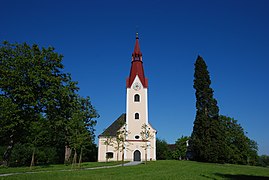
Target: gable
pixel 152 127
pixel 115 126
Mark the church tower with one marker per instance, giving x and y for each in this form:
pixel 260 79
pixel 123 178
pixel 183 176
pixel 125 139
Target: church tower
pixel 137 95
pixel 140 143
pixel 137 106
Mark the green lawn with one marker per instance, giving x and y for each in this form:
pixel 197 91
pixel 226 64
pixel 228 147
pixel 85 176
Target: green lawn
pixel 57 167
pixel 156 170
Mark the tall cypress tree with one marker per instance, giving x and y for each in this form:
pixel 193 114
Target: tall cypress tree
pixel 207 140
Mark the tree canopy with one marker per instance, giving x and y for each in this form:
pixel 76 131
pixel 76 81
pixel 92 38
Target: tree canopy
pixel 162 151
pixel 239 148
pixel 39 103
pixel 181 147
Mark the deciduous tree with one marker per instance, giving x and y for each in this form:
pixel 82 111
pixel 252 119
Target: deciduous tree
pixel 240 149
pixel 162 150
pixel 39 101
pixel 181 145
pixel 146 136
pixel 29 80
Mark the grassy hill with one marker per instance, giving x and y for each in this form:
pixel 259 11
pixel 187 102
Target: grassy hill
pixel 153 170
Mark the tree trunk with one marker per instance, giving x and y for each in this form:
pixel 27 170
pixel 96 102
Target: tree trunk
pixel 7 153
pixel 106 153
pixel 117 155
pixel 33 159
pixel 122 157
pixel 74 158
pixel 146 154
pixel 80 158
pixel 67 155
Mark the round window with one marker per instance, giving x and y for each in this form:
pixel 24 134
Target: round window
pixel 136 137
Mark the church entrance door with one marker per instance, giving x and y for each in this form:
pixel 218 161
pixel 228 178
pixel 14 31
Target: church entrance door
pixel 137 155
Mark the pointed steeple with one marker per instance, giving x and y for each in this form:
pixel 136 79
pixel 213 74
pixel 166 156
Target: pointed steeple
pixel 137 67
pixel 137 55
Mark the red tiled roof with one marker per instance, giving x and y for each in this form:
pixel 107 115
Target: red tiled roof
pixel 137 67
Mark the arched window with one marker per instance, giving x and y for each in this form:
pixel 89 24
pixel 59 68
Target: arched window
pixel 137 98
pixel 136 115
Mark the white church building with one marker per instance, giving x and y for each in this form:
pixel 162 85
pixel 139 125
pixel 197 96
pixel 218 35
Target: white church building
pixel 131 136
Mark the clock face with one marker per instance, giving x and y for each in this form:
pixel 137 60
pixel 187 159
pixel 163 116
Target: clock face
pixel 137 86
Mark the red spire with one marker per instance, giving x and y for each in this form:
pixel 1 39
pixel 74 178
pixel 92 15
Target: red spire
pixel 137 67
pixel 137 55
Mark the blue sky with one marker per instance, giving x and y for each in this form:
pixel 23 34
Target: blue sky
pixel 97 39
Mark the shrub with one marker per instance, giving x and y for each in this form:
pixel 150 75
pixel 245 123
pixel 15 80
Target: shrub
pixel 21 155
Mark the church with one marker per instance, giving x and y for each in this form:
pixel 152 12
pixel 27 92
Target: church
pixel 131 137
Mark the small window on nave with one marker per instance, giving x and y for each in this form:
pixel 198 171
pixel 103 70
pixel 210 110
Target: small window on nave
pixel 109 155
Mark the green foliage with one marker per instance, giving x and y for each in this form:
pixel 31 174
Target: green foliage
pixel 181 147
pixel 175 151
pixel 217 138
pixel 46 155
pixel 162 151
pixel 240 149
pixel 2 151
pixel 21 155
pixel 263 161
pixel 90 152
pixel 39 104
pixel 207 140
pixel 80 125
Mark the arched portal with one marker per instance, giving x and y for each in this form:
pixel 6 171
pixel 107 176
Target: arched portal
pixel 137 155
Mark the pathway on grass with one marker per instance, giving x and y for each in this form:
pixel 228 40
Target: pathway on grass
pixel 132 163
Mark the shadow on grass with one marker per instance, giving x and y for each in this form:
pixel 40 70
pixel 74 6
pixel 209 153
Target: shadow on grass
pixel 241 177
pixel 45 165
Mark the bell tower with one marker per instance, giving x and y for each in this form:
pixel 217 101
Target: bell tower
pixel 137 95
pixel 137 112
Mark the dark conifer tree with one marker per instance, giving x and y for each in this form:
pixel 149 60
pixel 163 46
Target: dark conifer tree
pixel 207 140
